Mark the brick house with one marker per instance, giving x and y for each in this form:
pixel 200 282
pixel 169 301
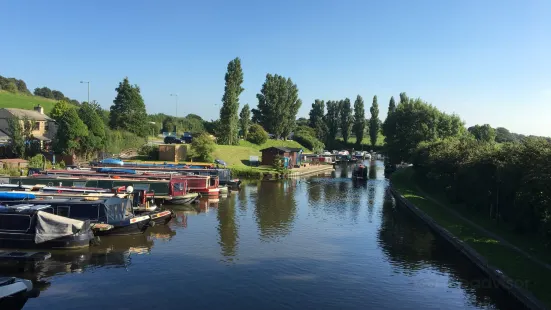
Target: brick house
pixel 44 128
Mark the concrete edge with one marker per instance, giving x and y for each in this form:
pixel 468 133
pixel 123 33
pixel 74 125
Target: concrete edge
pixel 303 173
pixel 521 294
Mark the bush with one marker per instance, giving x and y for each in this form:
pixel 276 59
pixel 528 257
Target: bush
pixel 309 142
pixel 150 152
pixel 36 161
pixel 257 134
pixel 202 147
pixel 120 140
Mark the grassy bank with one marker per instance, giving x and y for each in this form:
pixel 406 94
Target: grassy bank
pixel 523 270
pixel 238 155
pixel 9 100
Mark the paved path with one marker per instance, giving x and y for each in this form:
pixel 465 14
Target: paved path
pixel 485 231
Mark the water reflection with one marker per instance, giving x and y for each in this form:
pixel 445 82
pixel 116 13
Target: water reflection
pixel 275 208
pixel 227 229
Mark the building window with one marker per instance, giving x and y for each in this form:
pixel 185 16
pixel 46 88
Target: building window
pixel 36 126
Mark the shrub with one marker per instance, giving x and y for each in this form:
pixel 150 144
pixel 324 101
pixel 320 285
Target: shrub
pixel 308 141
pixel 150 152
pixel 36 161
pixel 203 147
pixel 257 134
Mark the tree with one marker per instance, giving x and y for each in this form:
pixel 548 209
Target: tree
pixel 483 133
pixel 60 108
pixel 403 97
pixel 229 120
pixel 317 121
pixel 257 134
pixel 391 105
pixel 332 119
pixel 203 146
pixel 278 105
pixel 17 136
pixel 58 95
pixel 71 131
pixel 169 124
pixel 504 135
pixel 374 122
pixel 245 120
pixel 11 87
pixel 128 109
pixel 44 92
pixel 95 141
pixel 301 121
pixel 359 120
pixel 257 115
pixel 346 119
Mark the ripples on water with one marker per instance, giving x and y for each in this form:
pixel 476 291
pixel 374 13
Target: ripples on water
pixel 324 242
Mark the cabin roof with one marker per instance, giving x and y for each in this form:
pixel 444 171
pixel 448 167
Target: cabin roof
pixel 283 149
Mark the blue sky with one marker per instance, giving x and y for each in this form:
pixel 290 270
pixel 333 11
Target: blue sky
pixel 489 61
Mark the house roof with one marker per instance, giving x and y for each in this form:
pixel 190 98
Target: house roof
pixel 283 149
pixel 30 114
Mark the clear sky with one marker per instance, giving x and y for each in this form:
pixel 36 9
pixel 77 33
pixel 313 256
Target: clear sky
pixel 487 60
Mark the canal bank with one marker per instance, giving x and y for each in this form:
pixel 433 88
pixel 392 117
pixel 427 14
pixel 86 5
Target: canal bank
pixel 507 268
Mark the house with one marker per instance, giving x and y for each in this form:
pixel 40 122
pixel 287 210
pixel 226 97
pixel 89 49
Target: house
pixel 293 155
pixel 43 127
pixel 14 163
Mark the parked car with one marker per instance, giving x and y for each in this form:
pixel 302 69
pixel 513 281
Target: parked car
pixel 327 152
pixel 173 140
pixel 187 137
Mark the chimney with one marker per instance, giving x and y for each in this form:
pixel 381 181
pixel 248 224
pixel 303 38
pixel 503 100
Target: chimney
pixel 39 109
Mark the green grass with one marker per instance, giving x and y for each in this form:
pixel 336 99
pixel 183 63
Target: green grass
pixel 238 155
pixel 518 267
pixel 9 100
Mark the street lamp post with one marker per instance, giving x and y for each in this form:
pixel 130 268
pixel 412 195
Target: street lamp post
pixel 82 82
pixel 175 95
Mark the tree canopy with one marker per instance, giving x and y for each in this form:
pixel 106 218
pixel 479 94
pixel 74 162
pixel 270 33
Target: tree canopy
pixel 483 133
pixel 229 120
pixel 317 119
pixel 346 118
pixel 359 119
pixel 128 110
pixel 374 122
pixel 71 131
pixel 245 120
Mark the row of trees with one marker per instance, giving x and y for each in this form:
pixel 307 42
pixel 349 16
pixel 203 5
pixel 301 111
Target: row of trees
pixel 502 175
pixel 13 85
pixel 343 118
pixel 53 94
pixel 278 105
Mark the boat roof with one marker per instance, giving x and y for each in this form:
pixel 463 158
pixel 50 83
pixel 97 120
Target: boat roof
pixel 24 207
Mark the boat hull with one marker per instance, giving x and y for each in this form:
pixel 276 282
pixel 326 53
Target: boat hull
pixel 162 217
pixel 26 241
pixel 134 226
pixel 185 199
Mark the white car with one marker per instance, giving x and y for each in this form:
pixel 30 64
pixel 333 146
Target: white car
pixel 326 153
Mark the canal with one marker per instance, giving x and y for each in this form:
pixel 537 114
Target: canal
pixel 323 242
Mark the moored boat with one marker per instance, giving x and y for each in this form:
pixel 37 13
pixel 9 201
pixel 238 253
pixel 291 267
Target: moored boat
pixel 15 292
pixel 27 225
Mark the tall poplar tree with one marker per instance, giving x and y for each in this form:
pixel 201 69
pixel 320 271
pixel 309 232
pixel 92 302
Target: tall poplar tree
pixel 374 122
pixel 229 119
pixel 332 119
pixel 359 120
pixel 317 121
pixel 346 119
pixel 245 120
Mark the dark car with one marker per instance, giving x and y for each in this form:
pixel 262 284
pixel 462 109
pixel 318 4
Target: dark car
pixel 173 140
pixel 187 137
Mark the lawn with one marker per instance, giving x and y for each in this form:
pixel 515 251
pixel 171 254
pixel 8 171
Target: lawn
pixel 9 100
pixel 517 266
pixel 367 140
pixel 238 155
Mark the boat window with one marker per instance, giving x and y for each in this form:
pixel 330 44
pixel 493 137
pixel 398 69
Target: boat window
pixel 15 222
pixel 160 188
pixel 179 187
pixel 84 212
pixel 63 211
pixel 105 184
pixel 141 186
pixel 79 184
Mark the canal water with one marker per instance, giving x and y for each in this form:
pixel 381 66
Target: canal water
pixel 323 242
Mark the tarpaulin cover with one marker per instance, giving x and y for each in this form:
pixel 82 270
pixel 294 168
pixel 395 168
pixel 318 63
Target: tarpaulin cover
pixel 50 226
pixel 117 209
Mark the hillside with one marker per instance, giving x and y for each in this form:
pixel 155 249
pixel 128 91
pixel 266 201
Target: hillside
pixel 9 100
pixel 238 155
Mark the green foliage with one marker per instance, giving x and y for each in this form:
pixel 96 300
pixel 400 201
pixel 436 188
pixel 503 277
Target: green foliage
pixel 257 134
pixel 359 120
pixel 301 121
pixel 317 121
pixel 346 119
pixel 71 132
pixel 509 184
pixel 483 133
pixel 44 92
pixel 59 110
pixel 278 105
pixel 374 121
pixel 95 141
pixel 203 147
pixel 8 83
pixel 229 120
pixel 151 152
pixel 128 110
pixel 117 141
pixel 278 163
pixel 306 137
pixel 11 87
pixel 37 161
pixel 19 134
pixel 332 119
pixel 245 120
pixel 391 105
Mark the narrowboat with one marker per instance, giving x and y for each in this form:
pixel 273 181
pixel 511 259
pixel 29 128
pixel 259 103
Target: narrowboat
pixel 15 292
pixel 360 172
pixel 107 216
pixel 27 225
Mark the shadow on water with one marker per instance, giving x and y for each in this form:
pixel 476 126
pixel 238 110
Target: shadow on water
pixel 275 208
